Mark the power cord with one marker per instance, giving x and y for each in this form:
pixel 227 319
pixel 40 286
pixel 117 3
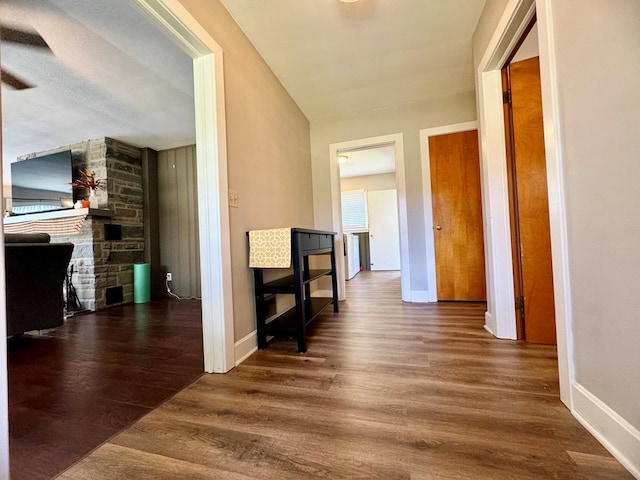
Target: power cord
pixel 169 284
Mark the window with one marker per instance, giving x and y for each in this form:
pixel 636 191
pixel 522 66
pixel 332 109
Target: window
pixel 354 211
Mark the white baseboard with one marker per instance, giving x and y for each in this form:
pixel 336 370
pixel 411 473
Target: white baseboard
pixel 488 321
pixel 420 296
pixel 245 347
pixel 616 434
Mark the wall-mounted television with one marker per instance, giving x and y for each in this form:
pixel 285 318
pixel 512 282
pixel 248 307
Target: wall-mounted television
pixel 42 184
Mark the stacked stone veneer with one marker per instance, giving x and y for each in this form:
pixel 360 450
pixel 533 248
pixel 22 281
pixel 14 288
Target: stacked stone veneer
pixel 100 264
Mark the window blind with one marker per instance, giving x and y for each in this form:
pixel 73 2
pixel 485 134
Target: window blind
pixel 354 211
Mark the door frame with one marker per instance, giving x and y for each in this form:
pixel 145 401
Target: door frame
pixel 4 373
pixel 396 140
pixel 211 166
pixel 427 201
pixel 500 316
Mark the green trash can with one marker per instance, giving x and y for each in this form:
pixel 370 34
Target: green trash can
pixel 141 282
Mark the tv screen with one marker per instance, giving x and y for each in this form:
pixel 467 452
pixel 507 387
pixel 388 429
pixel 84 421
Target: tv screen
pixel 42 184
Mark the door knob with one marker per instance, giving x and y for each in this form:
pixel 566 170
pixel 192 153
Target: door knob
pixel 438 227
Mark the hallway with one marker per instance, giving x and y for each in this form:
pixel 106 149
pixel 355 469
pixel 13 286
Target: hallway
pixel 387 390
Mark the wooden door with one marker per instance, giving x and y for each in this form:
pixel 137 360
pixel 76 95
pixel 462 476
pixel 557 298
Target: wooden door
pixel 532 203
pixel 384 232
pixel 457 216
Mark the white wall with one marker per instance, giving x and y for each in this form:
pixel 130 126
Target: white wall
pixel 598 57
pixel 267 151
pixel 408 120
pixel 381 181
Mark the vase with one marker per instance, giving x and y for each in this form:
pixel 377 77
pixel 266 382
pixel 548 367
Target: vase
pixel 93 199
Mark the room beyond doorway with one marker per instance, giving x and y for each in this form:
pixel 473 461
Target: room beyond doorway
pixel 396 142
pixel 75 386
pixel 370 208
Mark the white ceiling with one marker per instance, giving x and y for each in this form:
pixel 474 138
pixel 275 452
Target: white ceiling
pixel 337 58
pixel 114 74
pixel 368 161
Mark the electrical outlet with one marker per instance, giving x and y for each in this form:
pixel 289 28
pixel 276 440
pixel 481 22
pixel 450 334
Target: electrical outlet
pixel 233 198
pixel 169 277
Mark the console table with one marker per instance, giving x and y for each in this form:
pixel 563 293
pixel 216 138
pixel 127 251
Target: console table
pixel 293 322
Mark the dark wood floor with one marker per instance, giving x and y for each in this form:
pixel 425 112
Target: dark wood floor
pixel 74 387
pixel 387 390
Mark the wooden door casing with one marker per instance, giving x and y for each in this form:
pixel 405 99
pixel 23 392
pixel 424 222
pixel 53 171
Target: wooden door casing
pixel 457 216
pixel 532 201
pixel 513 207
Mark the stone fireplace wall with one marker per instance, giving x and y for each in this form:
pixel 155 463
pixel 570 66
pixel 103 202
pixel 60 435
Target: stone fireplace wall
pixel 103 268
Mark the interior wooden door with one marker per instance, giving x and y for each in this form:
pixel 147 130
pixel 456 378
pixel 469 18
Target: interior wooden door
pixel 457 216
pixel 384 232
pixel 532 201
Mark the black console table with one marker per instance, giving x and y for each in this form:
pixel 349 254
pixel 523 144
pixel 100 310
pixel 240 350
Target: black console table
pixel 293 322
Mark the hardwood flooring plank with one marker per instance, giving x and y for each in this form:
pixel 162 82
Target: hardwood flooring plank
pixel 386 390
pixel 123 463
pixel 73 387
pixel 600 466
pixel 264 455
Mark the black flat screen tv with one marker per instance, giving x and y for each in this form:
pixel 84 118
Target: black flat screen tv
pixel 42 184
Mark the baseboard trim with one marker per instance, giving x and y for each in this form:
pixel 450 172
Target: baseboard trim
pixel 488 320
pixel 616 434
pixel 420 296
pixel 246 346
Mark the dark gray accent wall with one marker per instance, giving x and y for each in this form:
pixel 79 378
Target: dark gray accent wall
pixel 152 221
pixel 178 219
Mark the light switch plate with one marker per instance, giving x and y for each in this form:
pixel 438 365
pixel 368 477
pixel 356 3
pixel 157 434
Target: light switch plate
pixel 233 198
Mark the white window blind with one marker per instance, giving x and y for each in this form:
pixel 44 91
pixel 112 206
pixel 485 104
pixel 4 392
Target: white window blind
pixel 354 211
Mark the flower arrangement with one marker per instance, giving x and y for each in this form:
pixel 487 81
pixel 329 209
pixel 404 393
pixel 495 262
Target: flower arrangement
pixel 87 179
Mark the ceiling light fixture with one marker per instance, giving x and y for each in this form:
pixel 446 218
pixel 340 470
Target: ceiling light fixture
pixel 348 1
pixel 342 158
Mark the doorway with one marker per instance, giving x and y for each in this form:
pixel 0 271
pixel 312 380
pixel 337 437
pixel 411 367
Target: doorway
pixel 217 314
pixel 211 167
pixel 500 317
pixel 370 207
pixel 395 140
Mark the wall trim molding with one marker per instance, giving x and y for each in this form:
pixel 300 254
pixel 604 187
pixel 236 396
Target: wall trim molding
pixel 245 347
pixel 421 296
pixel 616 434
pixel 488 320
